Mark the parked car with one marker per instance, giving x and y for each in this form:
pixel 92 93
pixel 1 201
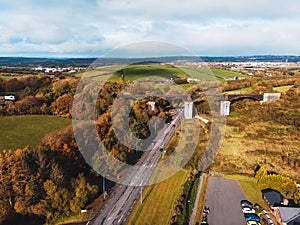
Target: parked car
pixel 206 210
pixel 248 210
pixel 270 222
pixel 264 211
pixel 246 203
pixel 253 223
pixel 251 217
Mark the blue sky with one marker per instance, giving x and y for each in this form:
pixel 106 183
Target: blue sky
pixel 88 28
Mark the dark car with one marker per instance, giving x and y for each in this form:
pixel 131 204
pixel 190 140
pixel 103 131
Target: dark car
pixel 246 203
pixel 251 217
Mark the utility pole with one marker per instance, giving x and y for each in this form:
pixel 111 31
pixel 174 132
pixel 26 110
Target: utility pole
pixel 103 183
pixel 141 192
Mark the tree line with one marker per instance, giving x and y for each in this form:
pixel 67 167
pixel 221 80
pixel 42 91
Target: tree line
pixel 285 185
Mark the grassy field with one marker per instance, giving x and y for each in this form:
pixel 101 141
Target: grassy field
pixel 239 91
pixel 100 72
pixel 251 189
pixel 159 201
pixel 211 74
pixel 6 77
pixel 134 72
pixel 222 74
pixel 20 131
pixel 281 89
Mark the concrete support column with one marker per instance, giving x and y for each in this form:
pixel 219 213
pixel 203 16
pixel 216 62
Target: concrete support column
pixel 189 111
pixel 152 105
pixel 224 108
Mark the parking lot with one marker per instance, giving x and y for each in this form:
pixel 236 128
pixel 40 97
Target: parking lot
pixel 223 197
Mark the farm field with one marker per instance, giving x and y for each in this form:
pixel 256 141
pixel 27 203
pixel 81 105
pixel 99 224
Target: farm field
pixel 20 131
pixel 212 74
pixel 222 74
pixel 159 201
pixel 99 72
pixel 134 72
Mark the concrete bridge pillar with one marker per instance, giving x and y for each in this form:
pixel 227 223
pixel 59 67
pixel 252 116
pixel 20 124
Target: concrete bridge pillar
pixel 189 111
pixel 152 105
pixel 224 108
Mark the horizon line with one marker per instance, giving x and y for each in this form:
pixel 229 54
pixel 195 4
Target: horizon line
pixel 150 57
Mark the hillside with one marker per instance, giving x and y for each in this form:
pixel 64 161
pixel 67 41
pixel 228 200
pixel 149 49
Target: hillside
pixel 266 135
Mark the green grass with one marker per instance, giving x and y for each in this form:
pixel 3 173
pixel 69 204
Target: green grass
pixel 20 131
pixel 248 89
pixel 251 189
pixel 200 73
pixel 181 217
pixel 240 91
pixel 7 77
pixel 187 86
pixel 283 88
pixel 226 73
pixel 159 201
pixel 135 72
pixel 211 74
pixel 99 72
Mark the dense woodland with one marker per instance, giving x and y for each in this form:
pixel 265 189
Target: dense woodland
pixel 53 180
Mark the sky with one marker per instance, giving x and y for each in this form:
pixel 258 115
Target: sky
pixel 91 28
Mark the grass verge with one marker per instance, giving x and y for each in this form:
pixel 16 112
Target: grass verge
pixel 201 201
pixel 190 193
pixel 159 201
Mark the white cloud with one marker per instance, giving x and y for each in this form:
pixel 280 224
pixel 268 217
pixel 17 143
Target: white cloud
pixel 79 27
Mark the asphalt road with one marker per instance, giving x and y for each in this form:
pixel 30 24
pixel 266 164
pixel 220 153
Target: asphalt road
pixel 121 203
pixel 223 197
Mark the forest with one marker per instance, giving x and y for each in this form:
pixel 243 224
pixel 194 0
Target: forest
pixel 41 184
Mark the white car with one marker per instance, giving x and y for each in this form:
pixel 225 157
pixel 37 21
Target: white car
pixel 247 210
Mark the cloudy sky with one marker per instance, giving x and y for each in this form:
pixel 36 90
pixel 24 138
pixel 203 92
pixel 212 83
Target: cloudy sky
pixel 88 28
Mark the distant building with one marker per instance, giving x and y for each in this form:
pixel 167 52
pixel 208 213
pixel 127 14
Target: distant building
pixel 190 80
